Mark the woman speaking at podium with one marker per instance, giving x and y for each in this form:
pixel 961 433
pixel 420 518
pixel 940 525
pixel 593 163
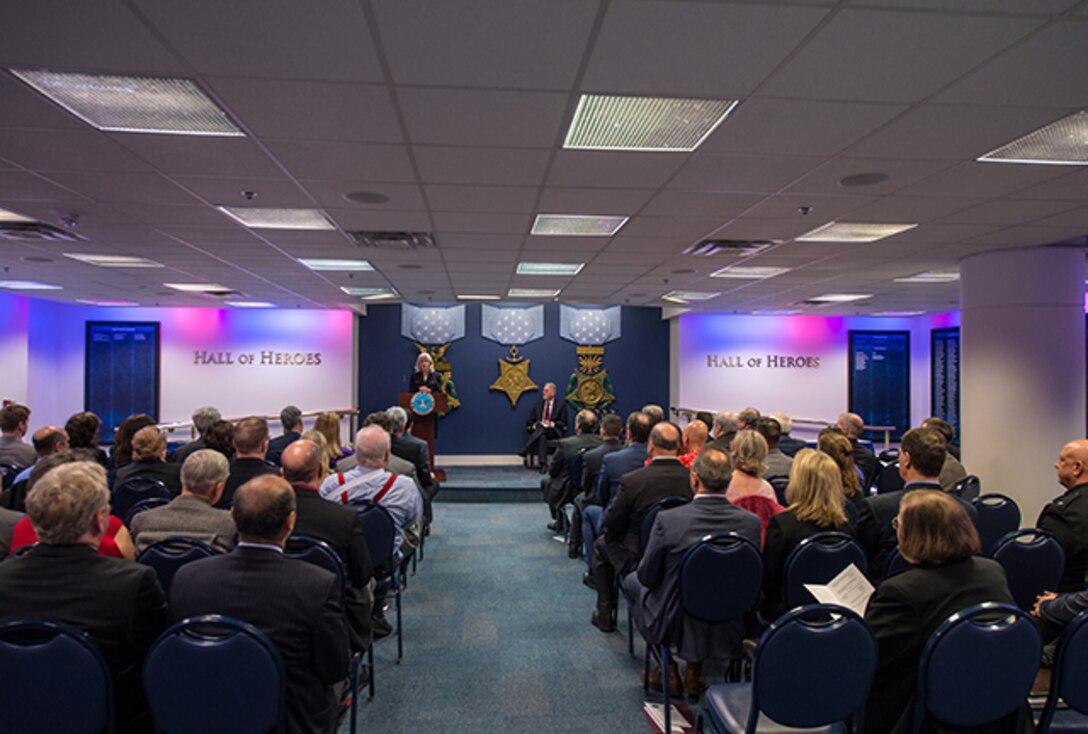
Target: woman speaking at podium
pixel 424 378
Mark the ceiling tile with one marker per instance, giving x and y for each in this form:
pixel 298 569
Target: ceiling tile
pixel 130 187
pixel 485 118
pixel 67 150
pixel 901 173
pixel 350 161
pixel 201 156
pixel 512 199
pixel 229 191
pixel 481 165
pixel 593 201
pixel 489 223
pixel 712 172
pixel 982 179
pixel 1008 211
pixel 400 197
pixel 613 169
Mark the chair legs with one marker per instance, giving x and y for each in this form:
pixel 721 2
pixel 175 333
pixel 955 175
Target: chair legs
pixel 400 635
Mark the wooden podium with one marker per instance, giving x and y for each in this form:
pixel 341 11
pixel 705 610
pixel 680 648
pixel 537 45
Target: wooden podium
pixel 424 426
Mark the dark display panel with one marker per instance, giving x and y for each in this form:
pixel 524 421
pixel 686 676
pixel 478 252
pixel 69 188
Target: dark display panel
pixel 121 374
pixel 945 376
pixel 880 380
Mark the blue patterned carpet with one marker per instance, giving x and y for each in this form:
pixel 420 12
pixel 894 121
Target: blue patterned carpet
pixel 490 484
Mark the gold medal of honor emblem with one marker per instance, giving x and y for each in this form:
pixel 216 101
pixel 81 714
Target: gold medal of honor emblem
pixel 514 376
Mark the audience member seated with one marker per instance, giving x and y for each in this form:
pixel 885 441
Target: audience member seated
pixel 8 520
pixel 14 422
pixel 116 542
pixel 318 438
pixel 547 422
pixel 328 424
pixel 749 456
pixel 1066 517
pixel 851 425
pixel 291 420
pixel 193 513
pixel 952 473
pixel 654 587
pixel 778 464
pixel 47 440
pixel 121 453
pixel 220 437
pixel 250 446
pixel 586 495
pixel 654 412
pixel 118 603
pixel 617 549
pixel 838 447
pixel 556 485
pixel 947 575
pixel 695 437
pixel 302 463
pixel 747 418
pixel 723 430
pixel 413 450
pixel 82 429
pixel 921 456
pixel 149 461
pixel 789 445
pixel 203 419
pixel 395 464
pixel 814 498
pixel 296 603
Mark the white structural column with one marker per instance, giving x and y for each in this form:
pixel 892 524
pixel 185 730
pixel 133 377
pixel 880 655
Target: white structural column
pixel 1022 369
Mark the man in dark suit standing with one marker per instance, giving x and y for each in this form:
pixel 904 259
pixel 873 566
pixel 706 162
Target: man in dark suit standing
pixel 1067 516
pixel 118 603
pixel 556 486
pixel 617 550
pixel 547 421
pixel 250 447
pixel 586 495
pixel 654 586
pixel 295 603
pixel 291 419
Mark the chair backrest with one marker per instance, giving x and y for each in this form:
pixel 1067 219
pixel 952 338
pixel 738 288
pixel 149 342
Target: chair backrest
pixel 720 578
pixel 977 667
pixel 888 479
pixel 1033 561
pixel 379 531
pixel 217 675
pixel 169 554
pixel 894 563
pixel 888 456
pixel 997 515
pixel 968 488
pixel 1069 672
pixel 816 560
pixel 131 491
pixel 57 682
pixel 853 514
pixel 779 483
pixel 8 472
pixel 149 504
pixel 575 471
pixel 650 515
pixel 813 667
pixel 317 552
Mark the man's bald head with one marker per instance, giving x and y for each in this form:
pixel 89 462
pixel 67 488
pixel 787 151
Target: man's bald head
pixel 695 435
pixel 851 424
pixel 372 447
pixel 49 440
pixel 665 439
pixel 264 510
pixel 301 462
pixel 1072 464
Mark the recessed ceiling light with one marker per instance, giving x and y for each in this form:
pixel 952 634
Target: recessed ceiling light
pixel 864 179
pixel 113 261
pixel 899 313
pixel 260 218
pixel 686 296
pixel 1061 143
pixel 27 285
pixel 196 287
pixel 134 104
pixel 753 272
pixel 550 268
pixel 250 304
pixel 577 225
pixel 853 232
pixel 89 302
pixel 366 197
pixel 531 293
pixel 6 216
pixel 369 293
pixel 650 124
pixel 841 297
pixel 331 264
pixel 932 276
pixel 471 297
pixel 776 312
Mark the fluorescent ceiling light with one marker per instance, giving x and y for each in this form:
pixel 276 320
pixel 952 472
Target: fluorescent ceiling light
pixel 776 312
pixel 899 313
pixel 648 124
pixel 841 297
pixel 1061 143
pixel 853 232
pixel 6 216
pixel 531 293
pixel 686 296
pixel 370 294
pixel 550 268
pixel 134 104
pixel 113 261
pixel 27 285
pixel 256 217
pixel 932 276
pixel 577 225
pixel 250 304
pixel 196 287
pixel 89 302
pixel 322 263
pixel 468 297
pixel 744 272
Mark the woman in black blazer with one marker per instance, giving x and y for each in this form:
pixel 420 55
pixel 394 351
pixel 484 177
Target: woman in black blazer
pixel 423 377
pixel 814 497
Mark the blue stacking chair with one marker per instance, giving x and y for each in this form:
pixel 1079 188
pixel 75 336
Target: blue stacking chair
pixel 780 484
pixel 816 560
pixel 968 488
pixel 1033 561
pixel 8 472
pixel 978 667
pixel 379 533
pixel 853 514
pixel 997 515
pixel 720 579
pixel 215 675
pixel 894 563
pixel 169 554
pixel 812 668
pixel 644 531
pixel 1067 682
pixel 149 504
pixel 132 491
pixel 57 680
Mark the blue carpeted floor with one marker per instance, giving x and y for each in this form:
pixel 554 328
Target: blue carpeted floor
pixel 497 637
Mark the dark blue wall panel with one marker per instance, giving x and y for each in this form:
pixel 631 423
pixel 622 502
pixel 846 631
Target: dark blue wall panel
pixel 485 423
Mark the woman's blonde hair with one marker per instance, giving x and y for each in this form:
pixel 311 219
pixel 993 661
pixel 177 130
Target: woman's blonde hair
pixel 815 493
pixel 839 448
pixel 328 425
pixel 749 452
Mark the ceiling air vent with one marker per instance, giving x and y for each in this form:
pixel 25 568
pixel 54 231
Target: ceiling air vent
pixel 706 248
pixel 35 232
pixel 401 241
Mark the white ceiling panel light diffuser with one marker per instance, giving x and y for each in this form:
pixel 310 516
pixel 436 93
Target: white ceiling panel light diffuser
pixel 250 304
pixel 577 225
pixel 776 312
pixel 853 232
pixel 197 287
pixel 840 297
pixel 106 304
pixel 900 314
pixel 752 272
pixel 648 124
pixel 133 104
pixel 333 265
pixel 371 294
pixel 1061 143
pixel 113 261
pixel 6 216
pixel 932 276
pixel 263 218
pixel 478 297
pixel 531 293
pixel 550 268
pixel 27 285
pixel 688 296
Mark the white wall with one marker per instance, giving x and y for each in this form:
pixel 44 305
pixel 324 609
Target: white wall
pixel 14 312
